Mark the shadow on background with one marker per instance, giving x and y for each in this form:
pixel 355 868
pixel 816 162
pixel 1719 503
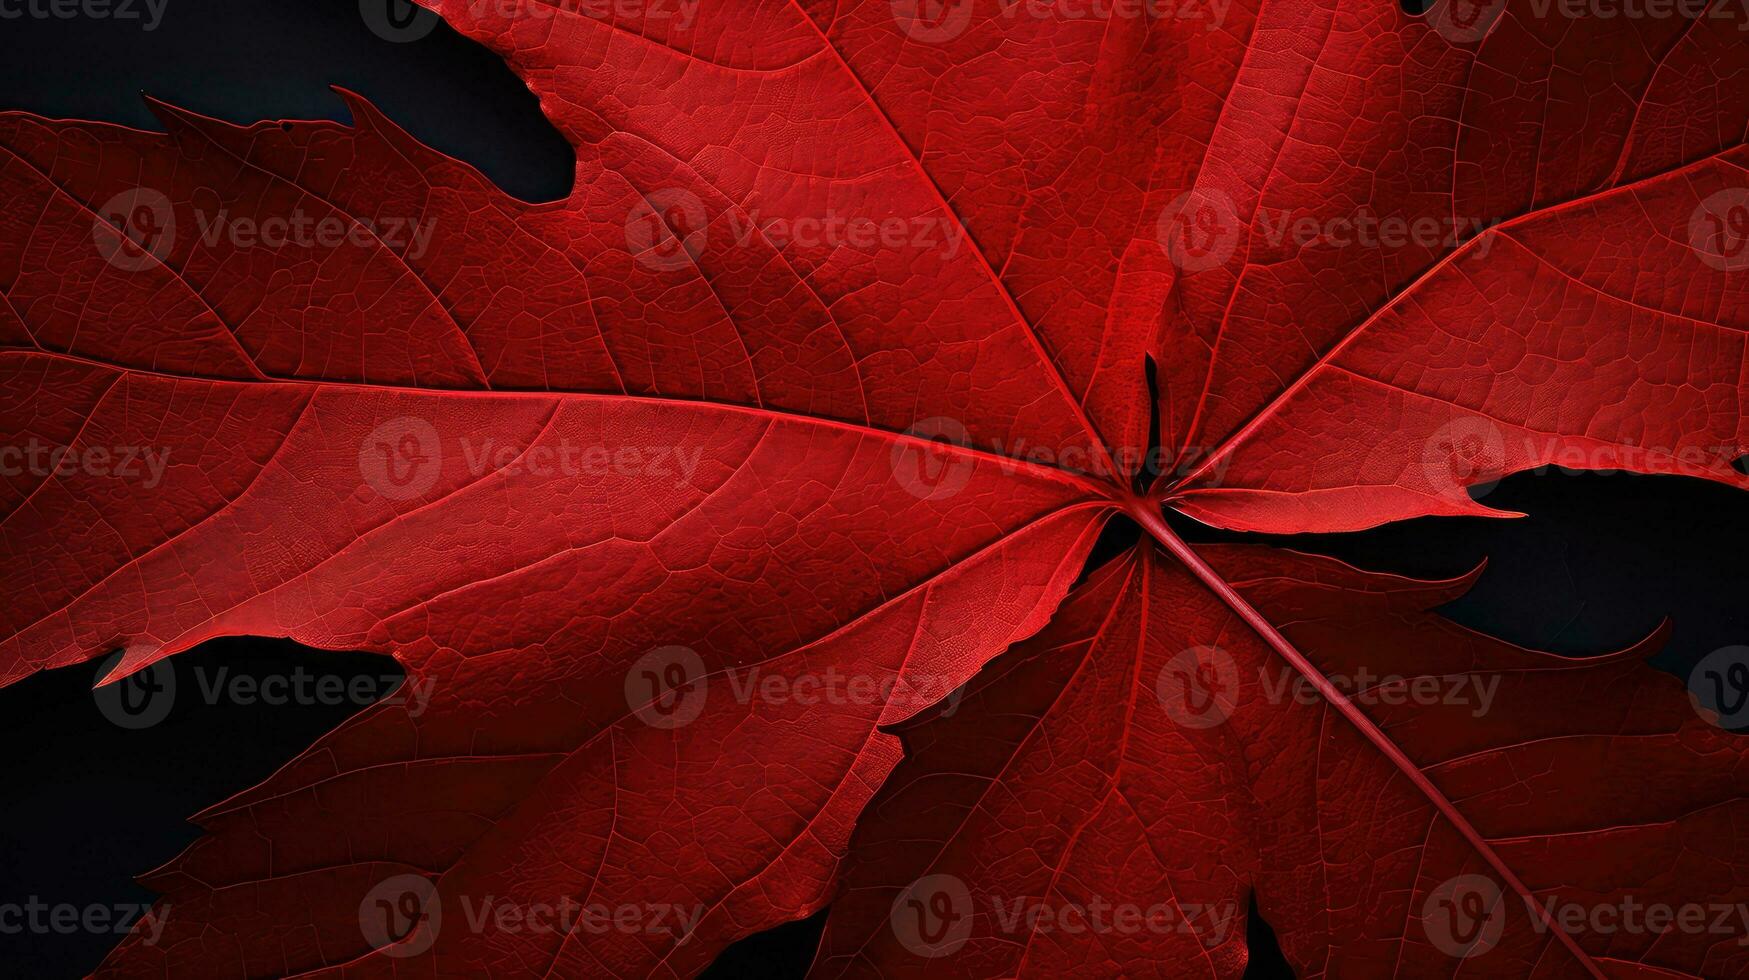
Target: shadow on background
pixel 246 60
pixel 1598 562
pixel 99 789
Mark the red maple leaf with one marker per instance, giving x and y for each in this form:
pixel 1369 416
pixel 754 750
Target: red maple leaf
pixel 810 400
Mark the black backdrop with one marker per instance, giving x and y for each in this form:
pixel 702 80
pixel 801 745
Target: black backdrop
pixel 1597 564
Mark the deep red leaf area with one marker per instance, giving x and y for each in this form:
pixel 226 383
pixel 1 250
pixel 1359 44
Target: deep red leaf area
pixel 694 500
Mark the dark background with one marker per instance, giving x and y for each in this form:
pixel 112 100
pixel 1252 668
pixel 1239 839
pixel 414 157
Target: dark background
pixel 1599 562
